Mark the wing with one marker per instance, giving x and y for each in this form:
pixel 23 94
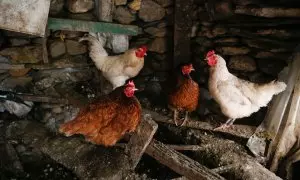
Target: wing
pixel 92 118
pixel 231 94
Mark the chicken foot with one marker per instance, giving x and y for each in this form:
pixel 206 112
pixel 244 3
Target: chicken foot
pixel 184 120
pixel 226 125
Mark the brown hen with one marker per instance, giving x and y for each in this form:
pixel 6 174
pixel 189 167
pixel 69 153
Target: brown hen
pixel 108 118
pixel 185 95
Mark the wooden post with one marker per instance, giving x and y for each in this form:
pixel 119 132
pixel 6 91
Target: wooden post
pixel 182 29
pixel 44 44
pixel 140 140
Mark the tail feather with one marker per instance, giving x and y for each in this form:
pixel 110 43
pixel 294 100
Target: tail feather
pixel 278 86
pixel 95 46
pixel 69 128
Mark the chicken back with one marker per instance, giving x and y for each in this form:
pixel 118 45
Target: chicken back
pixel 108 118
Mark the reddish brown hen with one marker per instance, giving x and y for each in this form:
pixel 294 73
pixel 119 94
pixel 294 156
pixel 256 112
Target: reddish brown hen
pixel 107 119
pixel 186 94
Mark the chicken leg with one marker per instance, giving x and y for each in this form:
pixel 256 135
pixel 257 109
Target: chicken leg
pixel 226 125
pixel 186 117
pixel 175 117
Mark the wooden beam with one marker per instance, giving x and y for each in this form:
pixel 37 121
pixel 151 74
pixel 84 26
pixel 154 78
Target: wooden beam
pixel 140 140
pixel 240 131
pixel 91 26
pixel 180 163
pixel 182 30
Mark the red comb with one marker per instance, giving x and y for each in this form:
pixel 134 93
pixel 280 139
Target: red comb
pixel 130 83
pixel 210 53
pixel 144 47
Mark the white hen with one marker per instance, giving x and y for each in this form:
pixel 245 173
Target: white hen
pixel 237 98
pixel 116 69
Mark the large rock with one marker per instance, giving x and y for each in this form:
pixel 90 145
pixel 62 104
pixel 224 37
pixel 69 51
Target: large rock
pixel 158 45
pixel 57 48
pixel 231 50
pixel 26 54
pixel 158 32
pixel 123 15
pixel 56 6
pixel 165 3
pixel 79 6
pixel 18 41
pixel 135 5
pixel 82 16
pixel 271 66
pixel 242 63
pixel 120 2
pixel 151 11
pixel 75 48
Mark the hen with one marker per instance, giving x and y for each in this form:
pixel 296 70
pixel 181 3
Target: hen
pixel 116 69
pixel 107 119
pixel 185 95
pixel 237 98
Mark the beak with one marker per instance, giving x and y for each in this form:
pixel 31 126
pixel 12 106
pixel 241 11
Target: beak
pixel 193 69
pixel 135 89
pixel 145 54
pixel 205 59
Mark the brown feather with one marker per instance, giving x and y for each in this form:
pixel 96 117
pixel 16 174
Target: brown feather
pixel 185 96
pixel 107 119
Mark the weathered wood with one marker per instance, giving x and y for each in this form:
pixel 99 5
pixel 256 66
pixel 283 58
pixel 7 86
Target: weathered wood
pixel 179 162
pixel 140 140
pixel 270 127
pixel 184 147
pixel 87 161
pixel 43 66
pixel 242 131
pixel 224 169
pixel 90 26
pixel 44 44
pixel 182 30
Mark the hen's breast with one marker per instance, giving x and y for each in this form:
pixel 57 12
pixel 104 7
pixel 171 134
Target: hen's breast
pixel 186 96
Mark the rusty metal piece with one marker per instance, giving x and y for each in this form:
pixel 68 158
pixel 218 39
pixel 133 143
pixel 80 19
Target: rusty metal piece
pixel 25 16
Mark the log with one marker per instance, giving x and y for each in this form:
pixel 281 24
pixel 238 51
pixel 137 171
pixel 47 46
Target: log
pixel 140 140
pixel 179 162
pixel 268 12
pixel 242 131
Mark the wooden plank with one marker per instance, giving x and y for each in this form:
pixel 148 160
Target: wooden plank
pixel 180 163
pixel 44 44
pixel 182 29
pixel 90 26
pixel 264 139
pixel 140 140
